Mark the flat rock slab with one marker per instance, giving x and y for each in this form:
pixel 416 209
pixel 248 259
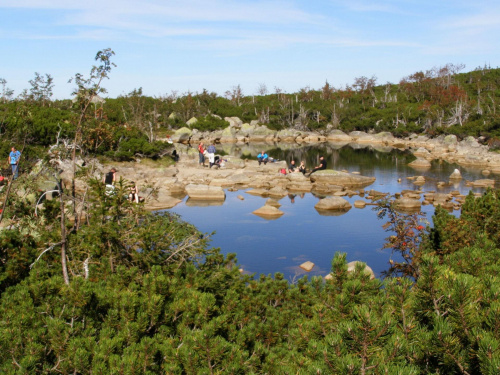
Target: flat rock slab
pixel 420 163
pixel 205 192
pixel 360 204
pixel 331 177
pixel 268 212
pixel 483 183
pixel 409 205
pixel 333 203
pixel 162 201
pixel 307 266
pixel 259 192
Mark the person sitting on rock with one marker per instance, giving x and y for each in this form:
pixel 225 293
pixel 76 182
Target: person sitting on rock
pixel 321 166
pixel 292 167
pixel 263 158
pixel 133 196
pixel 302 167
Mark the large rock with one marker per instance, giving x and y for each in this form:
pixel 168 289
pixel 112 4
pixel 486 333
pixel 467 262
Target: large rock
pixel 205 192
pixel 456 175
pixel 333 203
pixel 383 137
pixel 234 122
pixel 287 135
pixel 407 204
pixel 331 177
pixel 484 183
pixel 351 267
pixel 192 121
pixel 182 135
pixel 268 211
pixel 420 163
pixel 162 201
pixel 338 135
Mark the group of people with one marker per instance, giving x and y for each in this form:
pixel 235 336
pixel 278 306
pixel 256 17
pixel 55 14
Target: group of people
pixel 110 179
pixel 208 152
pixel 302 167
pixel 264 158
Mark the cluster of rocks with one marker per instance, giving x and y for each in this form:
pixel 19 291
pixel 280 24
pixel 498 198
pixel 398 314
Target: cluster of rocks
pixel 165 187
pixel 468 152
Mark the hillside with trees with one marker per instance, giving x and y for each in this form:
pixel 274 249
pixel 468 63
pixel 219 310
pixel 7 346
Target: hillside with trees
pixel 91 283
pixel 437 101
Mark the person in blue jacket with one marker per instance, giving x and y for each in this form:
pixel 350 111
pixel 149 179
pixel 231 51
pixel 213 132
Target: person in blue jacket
pixel 263 158
pixel 14 157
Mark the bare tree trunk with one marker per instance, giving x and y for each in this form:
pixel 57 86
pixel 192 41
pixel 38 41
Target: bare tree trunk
pixel 63 236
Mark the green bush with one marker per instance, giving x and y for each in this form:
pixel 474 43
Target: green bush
pixel 210 123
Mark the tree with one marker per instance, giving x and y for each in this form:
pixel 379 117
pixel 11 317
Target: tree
pixel 41 88
pixel 6 92
pixel 87 89
pixel 235 95
pixel 262 89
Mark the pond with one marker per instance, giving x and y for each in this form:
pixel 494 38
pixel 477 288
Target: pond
pixel 302 234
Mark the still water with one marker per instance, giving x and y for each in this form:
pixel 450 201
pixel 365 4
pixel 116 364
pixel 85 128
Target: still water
pixel 302 234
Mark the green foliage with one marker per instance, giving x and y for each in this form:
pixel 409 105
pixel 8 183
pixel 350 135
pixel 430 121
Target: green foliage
pixel 211 123
pixel 146 294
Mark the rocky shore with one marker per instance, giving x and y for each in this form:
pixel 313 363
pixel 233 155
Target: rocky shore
pixel 468 152
pixel 239 172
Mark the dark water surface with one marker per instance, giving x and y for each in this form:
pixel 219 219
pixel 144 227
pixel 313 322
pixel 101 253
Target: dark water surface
pixel 302 234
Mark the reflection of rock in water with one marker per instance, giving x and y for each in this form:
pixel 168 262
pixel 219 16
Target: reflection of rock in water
pixel 331 212
pixel 202 203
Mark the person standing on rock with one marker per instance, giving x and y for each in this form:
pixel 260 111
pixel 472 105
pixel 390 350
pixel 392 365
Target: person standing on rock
pixel 201 153
pixel 14 157
pixel 320 167
pixel 211 155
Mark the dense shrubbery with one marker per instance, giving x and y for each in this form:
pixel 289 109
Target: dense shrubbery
pixel 146 295
pixel 101 286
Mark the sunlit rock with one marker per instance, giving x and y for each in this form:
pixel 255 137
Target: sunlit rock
pixel 456 175
pixel 332 177
pixel 307 266
pixel 359 203
pixel 420 163
pixel 268 212
pixel 205 192
pixel 333 203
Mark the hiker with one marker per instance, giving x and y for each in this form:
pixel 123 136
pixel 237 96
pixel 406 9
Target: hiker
pixel 263 158
pixel 201 153
pixel 321 166
pixel 211 155
pixel 292 167
pixel 14 157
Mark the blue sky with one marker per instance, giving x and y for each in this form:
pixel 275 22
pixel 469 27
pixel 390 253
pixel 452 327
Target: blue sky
pixel 191 45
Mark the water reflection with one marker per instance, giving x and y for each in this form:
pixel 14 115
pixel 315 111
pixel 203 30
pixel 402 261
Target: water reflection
pixel 304 234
